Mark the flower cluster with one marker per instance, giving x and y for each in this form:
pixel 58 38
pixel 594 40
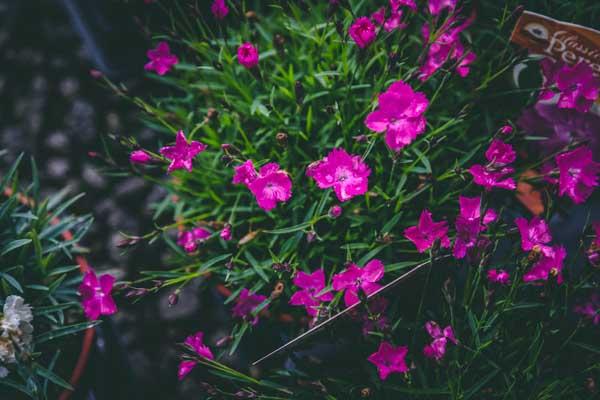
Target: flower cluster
pixel 496 173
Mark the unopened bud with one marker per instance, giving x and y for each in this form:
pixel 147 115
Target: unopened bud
pixel 94 73
pixel 251 15
pixel 212 113
pixel 281 138
pixel 311 236
pixel 224 341
pixel 173 298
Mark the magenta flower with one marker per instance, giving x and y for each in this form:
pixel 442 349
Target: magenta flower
pixel 311 295
pixel 394 22
pixel 196 344
pixel 354 278
pixel 499 276
pixel 400 114
pixel 347 174
pixel 469 225
pixel 506 129
pixel 395 4
pixel 500 153
pixel 590 309
pixel 248 55
pixel 426 232
pixel 375 319
pixel 269 186
pixel 437 348
pixel 363 32
pixel 245 305
pixel 578 87
pixel 245 173
pixel 335 211
pixel 445 47
pixel 189 239
pixel 226 232
pixel 183 153
pixel 593 252
pixel 161 59
pixel 436 6
pixel 379 16
pixel 550 264
pixel 492 178
pixel 578 174
pixel 534 235
pixel 140 157
pixel 389 359
pixel 219 9
pixel 96 296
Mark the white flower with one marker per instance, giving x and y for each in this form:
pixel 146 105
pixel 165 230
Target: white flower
pixel 16 331
pixel 3 372
pixel 16 312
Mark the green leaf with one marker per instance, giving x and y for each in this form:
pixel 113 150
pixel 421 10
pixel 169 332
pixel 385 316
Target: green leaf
pixel 65 330
pixel 12 281
pixel 15 244
pixel 52 377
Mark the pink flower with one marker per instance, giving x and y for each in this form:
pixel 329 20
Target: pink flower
pixel 219 9
pixel 375 319
pixel 183 153
pixel 590 309
pixel 140 157
pixel 335 211
pixel 436 6
pixel 506 129
pixel 389 359
pixel 534 234
pixel 500 153
pixel 446 46
pixel 354 278
pixel 593 252
pixel 226 232
pixel 245 305
pixel 269 186
pixel 400 114
pixel 346 173
pixel 437 348
pixel 161 59
pixel 578 174
pixel 247 55
pixel 499 276
pixel 469 225
pixel 550 264
pixel 395 4
pixel 363 32
pixel 311 295
pixel 426 232
pixel 492 178
pixel 394 22
pixel 578 87
pixel 245 173
pixel 189 239
pixel 96 296
pixel 379 16
pixel 196 344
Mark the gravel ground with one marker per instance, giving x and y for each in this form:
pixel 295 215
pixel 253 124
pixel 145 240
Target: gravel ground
pixel 51 108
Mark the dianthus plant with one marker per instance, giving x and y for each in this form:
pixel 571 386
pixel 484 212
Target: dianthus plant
pixel 314 151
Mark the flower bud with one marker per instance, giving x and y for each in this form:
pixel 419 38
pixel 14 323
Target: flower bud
pixel 173 298
pixel 311 236
pixel 212 113
pixel 140 157
pixel 335 211
pixel 281 138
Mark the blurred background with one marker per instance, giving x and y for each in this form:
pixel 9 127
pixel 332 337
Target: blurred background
pixel 54 109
